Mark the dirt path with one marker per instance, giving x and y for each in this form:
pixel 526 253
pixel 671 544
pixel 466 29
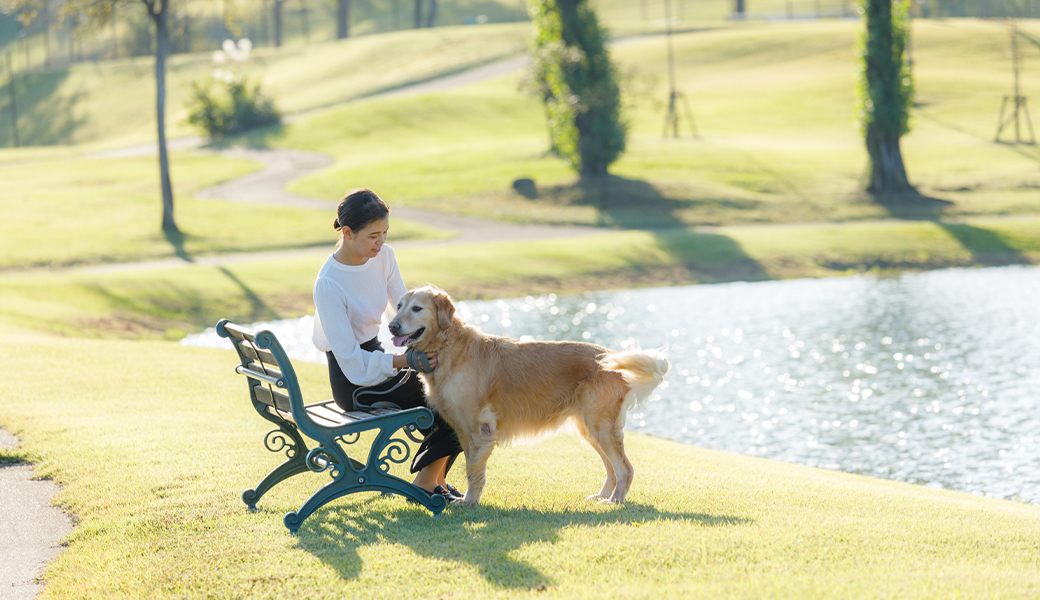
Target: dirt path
pixel 31 528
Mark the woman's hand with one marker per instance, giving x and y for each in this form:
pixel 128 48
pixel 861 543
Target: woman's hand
pixel 401 363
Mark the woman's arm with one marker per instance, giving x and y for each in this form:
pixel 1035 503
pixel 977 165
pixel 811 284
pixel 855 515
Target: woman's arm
pixel 333 320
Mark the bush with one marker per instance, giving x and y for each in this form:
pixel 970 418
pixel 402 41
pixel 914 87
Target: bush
pixel 223 106
pixel 571 71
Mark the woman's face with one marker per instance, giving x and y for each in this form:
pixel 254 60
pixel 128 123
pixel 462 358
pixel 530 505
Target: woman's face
pixel 367 242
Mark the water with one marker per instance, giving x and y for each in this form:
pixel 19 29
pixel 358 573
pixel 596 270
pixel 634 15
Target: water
pixel 928 378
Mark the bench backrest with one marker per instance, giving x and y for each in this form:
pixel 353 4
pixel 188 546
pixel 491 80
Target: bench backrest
pixel 272 380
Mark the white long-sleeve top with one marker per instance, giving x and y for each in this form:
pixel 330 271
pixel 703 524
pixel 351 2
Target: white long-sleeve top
pixel 349 302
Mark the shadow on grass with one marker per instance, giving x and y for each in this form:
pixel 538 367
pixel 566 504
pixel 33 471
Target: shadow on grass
pixel 45 117
pixel 706 257
pixel 177 239
pixel 985 246
pixel 631 203
pixel 693 256
pixel 259 309
pixel 258 138
pixel 482 537
pixel 911 205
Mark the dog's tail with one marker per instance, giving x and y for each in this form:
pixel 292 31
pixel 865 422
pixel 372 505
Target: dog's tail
pixel 642 370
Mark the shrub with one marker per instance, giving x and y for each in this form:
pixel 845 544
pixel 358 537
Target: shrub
pixel 223 106
pixel 573 74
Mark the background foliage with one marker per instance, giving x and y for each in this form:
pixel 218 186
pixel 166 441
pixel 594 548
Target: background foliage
pixel 229 105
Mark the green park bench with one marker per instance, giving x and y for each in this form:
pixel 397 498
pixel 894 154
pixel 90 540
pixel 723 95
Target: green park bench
pixel 276 396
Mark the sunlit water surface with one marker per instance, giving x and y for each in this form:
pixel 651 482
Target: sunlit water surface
pixel 929 378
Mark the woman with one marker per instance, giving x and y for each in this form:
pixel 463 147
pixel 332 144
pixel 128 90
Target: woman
pixel 358 283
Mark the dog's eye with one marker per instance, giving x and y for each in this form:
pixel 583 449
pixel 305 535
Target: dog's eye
pixel 416 308
pixel 399 305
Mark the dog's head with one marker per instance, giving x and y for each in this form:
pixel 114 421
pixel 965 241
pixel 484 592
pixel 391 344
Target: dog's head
pixel 422 313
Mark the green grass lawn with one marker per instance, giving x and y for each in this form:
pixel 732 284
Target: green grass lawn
pixel 153 442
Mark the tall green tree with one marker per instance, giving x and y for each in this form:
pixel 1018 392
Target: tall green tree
pixel 573 74
pixel 886 92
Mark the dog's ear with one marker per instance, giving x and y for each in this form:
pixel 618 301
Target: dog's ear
pixel 445 309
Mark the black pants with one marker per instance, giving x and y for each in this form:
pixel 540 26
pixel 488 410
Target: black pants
pixel 404 390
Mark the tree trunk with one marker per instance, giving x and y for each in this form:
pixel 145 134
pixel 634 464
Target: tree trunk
pixel 418 14
pixel 162 48
pixel 432 16
pixel 739 8
pixel 264 25
pixel 343 19
pixel 883 67
pixel 887 173
pixel 278 23
pixel 46 36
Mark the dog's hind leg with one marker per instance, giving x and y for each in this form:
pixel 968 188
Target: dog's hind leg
pixel 481 443
pixel 611 480
pixel 611 438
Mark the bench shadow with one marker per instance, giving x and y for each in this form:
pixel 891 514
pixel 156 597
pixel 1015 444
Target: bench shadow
pixel 483 537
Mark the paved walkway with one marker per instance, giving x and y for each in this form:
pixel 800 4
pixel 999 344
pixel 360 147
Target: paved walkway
pixel 31 528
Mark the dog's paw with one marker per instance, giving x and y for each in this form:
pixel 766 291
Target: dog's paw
pixel 597 497
pixel 611 501
pixel 468 500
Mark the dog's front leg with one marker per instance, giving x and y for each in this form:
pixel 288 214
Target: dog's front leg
pixel 481 443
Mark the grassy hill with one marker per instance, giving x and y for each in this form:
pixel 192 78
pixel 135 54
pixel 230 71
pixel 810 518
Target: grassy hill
pixel 774 109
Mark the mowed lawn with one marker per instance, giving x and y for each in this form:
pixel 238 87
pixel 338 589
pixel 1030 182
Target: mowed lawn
pixel 153 443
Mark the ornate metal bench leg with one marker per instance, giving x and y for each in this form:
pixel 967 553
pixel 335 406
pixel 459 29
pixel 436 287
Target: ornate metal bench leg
pixel 276 441
pixel 328 493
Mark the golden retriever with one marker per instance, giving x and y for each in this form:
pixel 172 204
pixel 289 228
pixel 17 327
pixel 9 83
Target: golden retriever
pixel 495 390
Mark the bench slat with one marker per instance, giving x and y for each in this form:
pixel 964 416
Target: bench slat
pixel 321 411
pixel 261 354
pixel 324 421
pixel 238 332
pixel 270 371
pixel 272 398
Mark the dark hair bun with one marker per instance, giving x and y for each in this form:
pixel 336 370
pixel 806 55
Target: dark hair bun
pixel 335 224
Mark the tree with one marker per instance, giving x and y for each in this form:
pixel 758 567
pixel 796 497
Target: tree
pixel 101 13
pixel 431 15
pixel 342 19
pixel 277 18
pixel 886 93
pixel 575 78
